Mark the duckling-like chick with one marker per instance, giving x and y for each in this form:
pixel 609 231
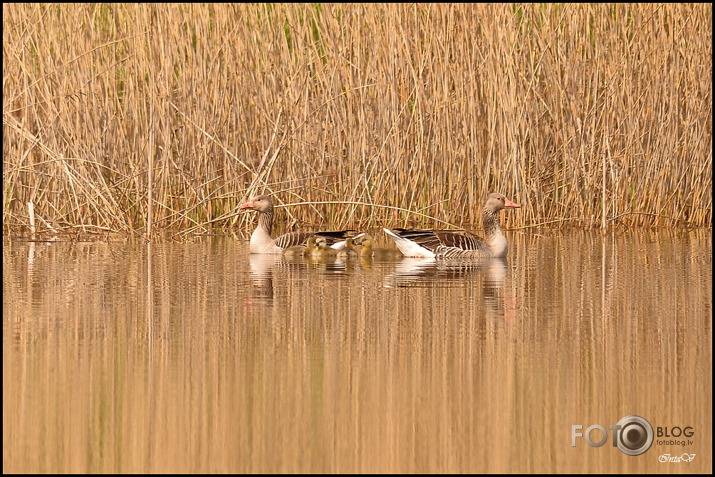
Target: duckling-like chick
pixel 318 249
pixel 296 251
pixel 311 247
pixel 348 251
pixel 368 251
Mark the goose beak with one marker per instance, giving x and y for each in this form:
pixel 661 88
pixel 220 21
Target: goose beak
pixel 247 205
pixel 510 205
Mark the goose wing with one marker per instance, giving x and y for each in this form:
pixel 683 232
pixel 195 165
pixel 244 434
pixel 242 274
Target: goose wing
pixel 431 239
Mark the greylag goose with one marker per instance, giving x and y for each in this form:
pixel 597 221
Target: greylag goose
pixel 446 244
pixel 368 251
pixel 261 240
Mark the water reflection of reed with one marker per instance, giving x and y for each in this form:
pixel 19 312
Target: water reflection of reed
pixel 338 373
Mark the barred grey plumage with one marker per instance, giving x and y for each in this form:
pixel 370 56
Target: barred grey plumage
pixel 445 244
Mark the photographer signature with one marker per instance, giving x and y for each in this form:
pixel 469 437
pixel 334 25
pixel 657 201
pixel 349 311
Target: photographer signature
pixel 676 458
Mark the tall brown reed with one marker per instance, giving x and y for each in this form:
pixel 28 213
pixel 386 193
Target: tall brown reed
pixel 419 107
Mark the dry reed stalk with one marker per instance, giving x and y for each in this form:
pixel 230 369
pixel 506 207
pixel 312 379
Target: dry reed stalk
pixel 134 117
pixel 31 215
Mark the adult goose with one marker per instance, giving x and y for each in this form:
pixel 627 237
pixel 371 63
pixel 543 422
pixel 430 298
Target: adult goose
pixel 263 242
pixel 446 244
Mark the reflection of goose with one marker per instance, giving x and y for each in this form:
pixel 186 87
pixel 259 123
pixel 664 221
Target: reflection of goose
pixel 367 250
pixel 412 270
pixel 494 274
pixel 495 270
pixel 446 244
pixel 261 240
pixel 432 273
pixel 261 269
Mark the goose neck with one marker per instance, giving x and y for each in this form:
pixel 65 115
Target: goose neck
pixel 490 222
pixel 265 221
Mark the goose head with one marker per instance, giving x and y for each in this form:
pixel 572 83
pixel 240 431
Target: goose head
pixel 261 203
pixel 496 202
pixel 365 241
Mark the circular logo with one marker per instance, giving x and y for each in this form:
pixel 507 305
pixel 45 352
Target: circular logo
pixel 635 435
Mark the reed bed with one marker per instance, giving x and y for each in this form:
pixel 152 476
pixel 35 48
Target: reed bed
pixel 128 117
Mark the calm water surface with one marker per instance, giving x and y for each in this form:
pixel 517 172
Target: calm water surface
pixel 198 357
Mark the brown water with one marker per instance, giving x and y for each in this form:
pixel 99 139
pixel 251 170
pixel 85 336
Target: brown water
pixel 198 357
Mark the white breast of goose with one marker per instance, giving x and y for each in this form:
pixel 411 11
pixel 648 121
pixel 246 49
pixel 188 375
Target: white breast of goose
pixel 497 244
pixel 262 242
